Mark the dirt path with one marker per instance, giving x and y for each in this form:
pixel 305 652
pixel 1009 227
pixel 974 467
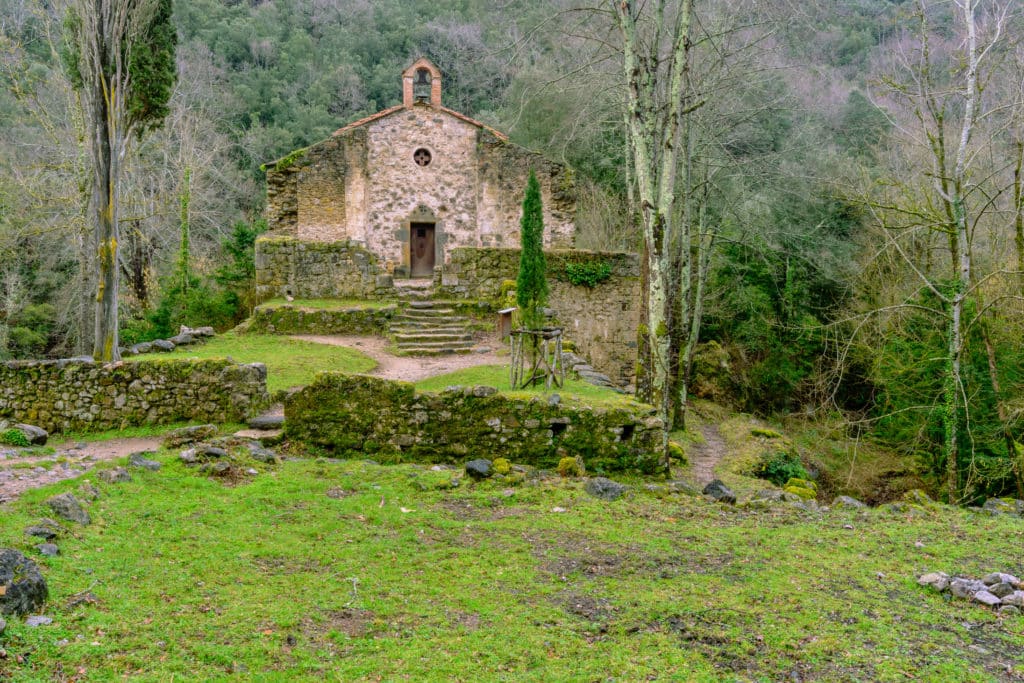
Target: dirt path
pixel 706 456
pixel 19 473
pixel 406 368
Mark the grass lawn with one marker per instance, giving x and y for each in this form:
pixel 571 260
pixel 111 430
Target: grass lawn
pixel 325 304
pixel 350 571
pixel 289 362
pixel 497 376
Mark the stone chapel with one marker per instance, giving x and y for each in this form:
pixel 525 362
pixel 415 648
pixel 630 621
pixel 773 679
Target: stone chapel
pixel 413 182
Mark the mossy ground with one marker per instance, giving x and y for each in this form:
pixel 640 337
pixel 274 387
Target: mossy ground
pixel 290 362
pixel 327 570
pixel 326 304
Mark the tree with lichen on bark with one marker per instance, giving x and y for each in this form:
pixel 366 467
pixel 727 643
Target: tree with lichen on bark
pixel 119 55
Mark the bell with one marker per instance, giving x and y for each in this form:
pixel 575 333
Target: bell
pixel 421 87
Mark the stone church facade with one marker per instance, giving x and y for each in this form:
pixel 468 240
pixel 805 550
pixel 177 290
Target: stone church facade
pixel 413 182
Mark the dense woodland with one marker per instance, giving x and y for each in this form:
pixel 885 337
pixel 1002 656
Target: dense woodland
pixel 847 248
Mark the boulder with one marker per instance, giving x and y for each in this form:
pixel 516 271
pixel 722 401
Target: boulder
pixel 1015 598
pixel 36 436
pixel 720 492
pixel 217 469
pixel 118 475
pixel 267 422
pixel 187 435
pixel 141 348
pixel 24 588
pixel 1009 609
pixel 479 469
pixel 1000 577
pixel 261 454
pixel 986 598
pixel 183 339
pixel 142 462
pixel 205 331
pixel 1004 506
pixel 918 497
pixel 937 580
pixel 48 549
pixel 965 588
pixel 88 492
pixel 67 507
pixel 46 529
pixel 162 345
pixel 605 489
pixel 847 502
pixel 1001 590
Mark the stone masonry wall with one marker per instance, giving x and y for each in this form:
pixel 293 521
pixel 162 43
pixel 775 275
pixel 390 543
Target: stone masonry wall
pixel 364 186
pixel 286 319
pixel 311 270
pixel 361 416
pixel 62 395
pixel 601 321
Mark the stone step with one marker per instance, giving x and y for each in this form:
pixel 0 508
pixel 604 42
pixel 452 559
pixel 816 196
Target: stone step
pixel 428 312
pixel 440 345
pixel 457 323
pixel 430 351
pixel 432 336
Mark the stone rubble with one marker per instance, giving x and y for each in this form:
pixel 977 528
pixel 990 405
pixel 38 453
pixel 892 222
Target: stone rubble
pixel 996 589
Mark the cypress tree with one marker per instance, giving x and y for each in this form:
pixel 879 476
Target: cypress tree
pixel 531 283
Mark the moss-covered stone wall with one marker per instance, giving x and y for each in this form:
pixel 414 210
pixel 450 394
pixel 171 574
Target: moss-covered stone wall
pixel 288 266
pixel 601 320
pixel 63 395
pixel 361 416
pixel 287 319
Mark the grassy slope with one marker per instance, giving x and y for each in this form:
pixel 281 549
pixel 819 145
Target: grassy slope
pixel 289 362
pixel 196 580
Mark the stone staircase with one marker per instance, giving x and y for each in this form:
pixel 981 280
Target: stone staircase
pixel 432 328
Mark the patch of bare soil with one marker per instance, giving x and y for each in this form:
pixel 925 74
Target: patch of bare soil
pixel 19 473
pixel 704 457
pixel 405 368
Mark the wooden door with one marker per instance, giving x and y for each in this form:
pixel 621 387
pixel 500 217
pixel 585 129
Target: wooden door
pixel 421 249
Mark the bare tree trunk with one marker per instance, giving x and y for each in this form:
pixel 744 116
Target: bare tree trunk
pixel 1018 210
pixel 106 148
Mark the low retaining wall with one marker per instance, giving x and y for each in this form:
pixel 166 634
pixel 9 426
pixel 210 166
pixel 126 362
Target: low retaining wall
pixel 601 320
pixel 315 270
pixel 361 416
pixel 66 395
pixel 285 319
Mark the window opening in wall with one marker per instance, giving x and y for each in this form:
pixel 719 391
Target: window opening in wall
pixel 422 157
pixel 421 86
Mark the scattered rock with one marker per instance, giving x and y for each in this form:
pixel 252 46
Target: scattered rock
pixel 117 475
pixel 46 529
pixel 479 469
pixel 139 349
pixel 206 331
pixel 37 620
pixel 267 422
pixel 36 436
pixel 162 345
pixel 218 468
pixel 937 580
pixel 189 456
pixel 261 454
pixel 183 339
pixel 847 502
pixel 999 577
pixel 211 452
pixel 141 461
pixel 1004 506
pixel 1001 590
pixel 1009 609
pixel 24 588
pixel 720 492
pixel 965 588
pixel 684 487
pixel 605 489
pixel 187 435
pixel 48 549
pixel 1015 598
pixel 986 598
pixel 67 506
pixel 88 492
